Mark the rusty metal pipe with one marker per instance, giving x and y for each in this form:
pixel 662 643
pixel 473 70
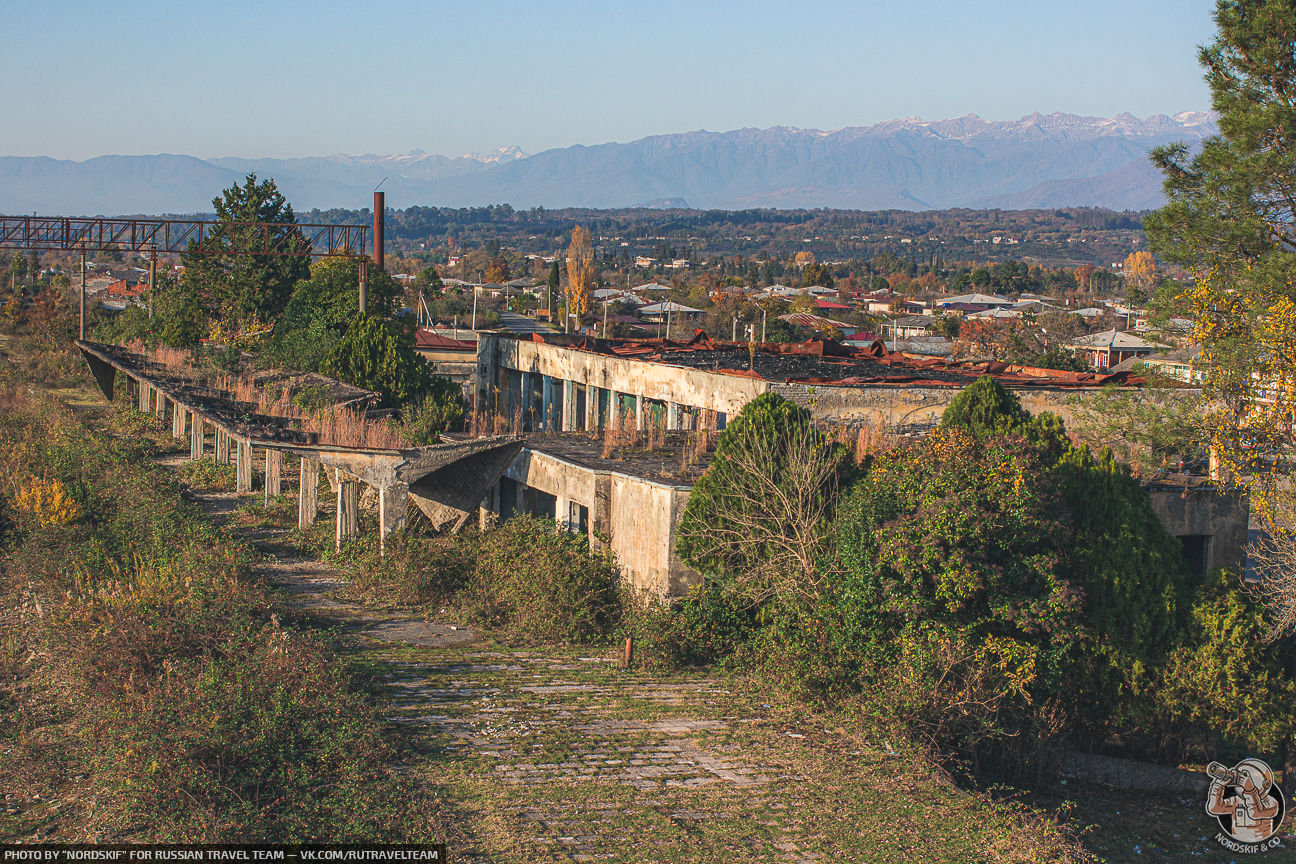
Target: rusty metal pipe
pixel 380 211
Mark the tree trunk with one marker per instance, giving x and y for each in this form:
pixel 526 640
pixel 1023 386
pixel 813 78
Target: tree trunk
pixel 1287 750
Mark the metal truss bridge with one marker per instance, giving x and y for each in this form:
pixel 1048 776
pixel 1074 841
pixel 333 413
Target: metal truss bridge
pixel 173 236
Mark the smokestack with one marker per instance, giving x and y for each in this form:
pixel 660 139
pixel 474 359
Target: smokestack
pixel 380 210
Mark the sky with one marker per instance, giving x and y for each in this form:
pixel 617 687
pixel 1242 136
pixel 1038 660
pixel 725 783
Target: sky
pixel 282 79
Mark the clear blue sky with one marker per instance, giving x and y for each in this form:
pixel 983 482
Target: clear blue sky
pixel 284 79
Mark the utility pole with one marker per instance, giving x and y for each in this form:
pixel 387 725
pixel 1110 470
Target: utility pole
pixel 83 271
pixel 763 313
pixel 152 280
pixel 364 286
pixel 476 288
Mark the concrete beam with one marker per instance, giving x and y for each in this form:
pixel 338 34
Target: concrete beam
pixel 105 374
pixel 273 469
pixel 243 466
pixel 308 500
pixel 449 494
pixel 222 447
pixel 524 399
pixel 592 397
pixel 348 509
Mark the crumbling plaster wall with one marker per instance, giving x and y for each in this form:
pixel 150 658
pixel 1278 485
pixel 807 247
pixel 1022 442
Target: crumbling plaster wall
pixel 693 387
pixel 637 516
pixel 897 406
pixel 1223 516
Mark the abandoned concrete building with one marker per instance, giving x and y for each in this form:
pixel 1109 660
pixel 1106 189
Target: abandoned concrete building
pixel 565 392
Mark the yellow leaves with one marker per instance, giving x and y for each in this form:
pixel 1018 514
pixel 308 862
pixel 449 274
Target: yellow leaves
pixel 48 502
pixel 580 271
pixel 1015 660
pixel 1141 271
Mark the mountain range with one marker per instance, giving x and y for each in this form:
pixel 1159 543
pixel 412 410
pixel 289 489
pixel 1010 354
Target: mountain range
pixel 1041 160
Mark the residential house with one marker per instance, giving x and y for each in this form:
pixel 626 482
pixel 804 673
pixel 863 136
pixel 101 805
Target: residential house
pixel 1104 350
pixel 676 311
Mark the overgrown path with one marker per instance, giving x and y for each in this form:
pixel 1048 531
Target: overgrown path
pixel 558 754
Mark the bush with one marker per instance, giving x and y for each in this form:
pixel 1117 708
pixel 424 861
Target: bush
pixel 376 356
pixel 440 410
pixel 987 408
pixel 540 584
pixel 195 716
pixel 760 517
pixel 414 571
pixel 705 627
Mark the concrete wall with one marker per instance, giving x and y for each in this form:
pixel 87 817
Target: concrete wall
pixel 693 387
pixel 697 388
pixel 894 406
pixel 1204 511
pixel 637 516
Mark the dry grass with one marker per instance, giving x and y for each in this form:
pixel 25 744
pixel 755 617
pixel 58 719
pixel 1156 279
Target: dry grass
pixel 340 426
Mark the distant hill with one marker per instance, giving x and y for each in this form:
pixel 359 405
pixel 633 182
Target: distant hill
pixel 1054 160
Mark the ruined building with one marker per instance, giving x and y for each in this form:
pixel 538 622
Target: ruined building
pixel 565 392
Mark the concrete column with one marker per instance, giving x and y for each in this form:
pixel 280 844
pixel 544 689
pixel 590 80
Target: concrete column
pixel 308 501
pixel 393 512
pixel 561 508
pixel 243 462
pixel 546 403
pixel 348 509
pixel 143 397
pixel 160 405
pixel 524 399
pixel 273 469
pixel 569 406
pixel 614 408
pixel 672 416
pixel 195 437
pixel 222 447
pixel 639 412
pixel 592 415
pixel 600 517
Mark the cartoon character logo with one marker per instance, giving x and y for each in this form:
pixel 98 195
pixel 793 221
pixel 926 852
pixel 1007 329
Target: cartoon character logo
pixel 1245 801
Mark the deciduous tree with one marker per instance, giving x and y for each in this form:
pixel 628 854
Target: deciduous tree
pixel 1231 221
pixel 580 271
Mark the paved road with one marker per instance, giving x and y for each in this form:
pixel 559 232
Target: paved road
pixel 522 324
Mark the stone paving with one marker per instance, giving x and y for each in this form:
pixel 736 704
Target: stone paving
pixel 577 757
pixel 556 755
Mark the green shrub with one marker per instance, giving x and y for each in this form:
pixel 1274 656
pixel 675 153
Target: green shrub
pixel 760 518
pixel 705 627
pixel 440 410
pixel 376 355
pixel 539 584
pixel 987 408
pixel 195 718
pixel 413 571
pixel 1223 678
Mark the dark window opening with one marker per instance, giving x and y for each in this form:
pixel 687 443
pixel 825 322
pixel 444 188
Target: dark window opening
pixel 508 498
pixel 1196 550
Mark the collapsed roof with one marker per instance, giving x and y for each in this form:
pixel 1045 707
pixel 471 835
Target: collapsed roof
pixel 824 362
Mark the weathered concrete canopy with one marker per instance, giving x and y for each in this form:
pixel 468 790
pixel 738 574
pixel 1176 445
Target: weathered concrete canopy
pixel 450 477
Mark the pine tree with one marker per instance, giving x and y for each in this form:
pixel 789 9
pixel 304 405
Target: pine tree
pixel 375 356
